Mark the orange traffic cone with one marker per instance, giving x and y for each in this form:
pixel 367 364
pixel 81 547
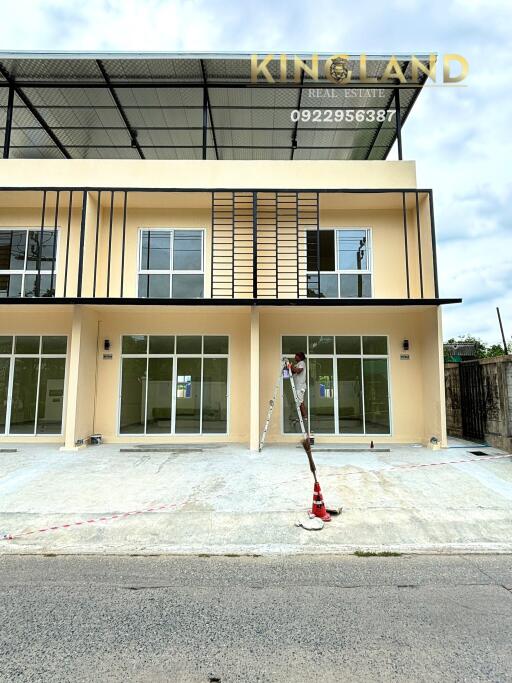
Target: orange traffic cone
pixel 318 508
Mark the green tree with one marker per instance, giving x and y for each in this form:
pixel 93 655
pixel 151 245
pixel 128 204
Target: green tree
pixel 482 350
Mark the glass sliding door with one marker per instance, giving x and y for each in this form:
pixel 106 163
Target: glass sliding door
pixel 51 395
pixel 215 389
pixel 35 368
pixel 174 384
pixel 24 396
pixel 348 385
pixel 5 364
pixel 321 395
pixel 291 422
pixel 376 400
pixel 350 396
pixel 159 411
pixel 188 396
pixel 133 396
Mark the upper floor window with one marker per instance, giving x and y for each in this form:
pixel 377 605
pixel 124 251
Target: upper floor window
pixel 171 264
pixel 345 260
pixel 22 257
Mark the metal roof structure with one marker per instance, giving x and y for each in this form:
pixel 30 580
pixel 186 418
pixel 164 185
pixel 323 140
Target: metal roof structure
pixel 194 106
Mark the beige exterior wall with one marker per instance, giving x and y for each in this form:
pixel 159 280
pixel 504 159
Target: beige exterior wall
pixel 82 377
pixel 380 212
pixel 234 322
pixel 122 173
pixel 417 396
pixel 92 382
pixel 23 321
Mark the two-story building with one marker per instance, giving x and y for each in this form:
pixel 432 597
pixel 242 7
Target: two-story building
pixel 170 229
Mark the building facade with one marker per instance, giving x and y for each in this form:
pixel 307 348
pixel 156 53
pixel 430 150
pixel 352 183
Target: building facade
pixel 152 301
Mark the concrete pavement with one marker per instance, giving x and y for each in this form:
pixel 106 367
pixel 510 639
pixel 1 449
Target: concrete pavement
pixel 228 500
pixel 286 619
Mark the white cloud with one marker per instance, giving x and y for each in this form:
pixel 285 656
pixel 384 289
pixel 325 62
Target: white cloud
pixel 460 137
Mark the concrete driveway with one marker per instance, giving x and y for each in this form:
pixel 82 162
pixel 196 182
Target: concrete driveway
pixel 224 499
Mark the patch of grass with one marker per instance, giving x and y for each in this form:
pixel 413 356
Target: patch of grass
pixel 370 553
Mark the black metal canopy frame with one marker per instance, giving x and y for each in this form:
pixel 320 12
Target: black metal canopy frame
pixel 183 106
pixel 242 220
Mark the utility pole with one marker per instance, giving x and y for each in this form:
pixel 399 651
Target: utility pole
pixel 502 333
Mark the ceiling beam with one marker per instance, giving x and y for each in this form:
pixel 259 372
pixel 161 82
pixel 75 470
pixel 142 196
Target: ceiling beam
pixel 12 83
pixel 200 146
pixel 212 127
pixel 131 131
pixel 160 83
pixel 296 126
pixel 379 127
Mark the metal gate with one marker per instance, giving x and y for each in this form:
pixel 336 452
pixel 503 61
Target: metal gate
pixel 472 399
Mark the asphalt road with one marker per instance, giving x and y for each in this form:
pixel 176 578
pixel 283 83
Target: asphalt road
pixel 322 619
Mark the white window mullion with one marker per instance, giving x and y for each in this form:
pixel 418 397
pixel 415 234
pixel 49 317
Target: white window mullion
pixel 171 262
pixel 24 266
pixel 174 385
pixel 9 394
pixel 146 394
pixel 26 251
pixel 37 393
pixel 201 396
pixel 362 394
pixel 335 388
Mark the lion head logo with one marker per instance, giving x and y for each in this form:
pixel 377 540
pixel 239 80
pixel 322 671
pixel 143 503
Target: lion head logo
pixel 339 69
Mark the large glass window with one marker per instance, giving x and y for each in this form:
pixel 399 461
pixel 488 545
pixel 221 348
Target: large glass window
pixel 174 385
pixel 339 263
pixel 159 389
pixel 133 396
pixel 32 377
pixel 27 263
pixel 215 389
pixel 321 395
pixel 171 264
pixel 348 384
pixel 188 396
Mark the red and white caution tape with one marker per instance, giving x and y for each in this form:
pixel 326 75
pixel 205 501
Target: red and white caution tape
pixel 405 466
pixel 84 522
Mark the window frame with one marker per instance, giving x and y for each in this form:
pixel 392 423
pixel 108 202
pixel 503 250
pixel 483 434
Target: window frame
pixel 171 271
pixel 40 356
pixel 175 356
pixel 334 356
pixel 44 271
pixel 344 271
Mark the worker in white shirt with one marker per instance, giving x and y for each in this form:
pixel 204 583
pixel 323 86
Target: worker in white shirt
pixel 300 381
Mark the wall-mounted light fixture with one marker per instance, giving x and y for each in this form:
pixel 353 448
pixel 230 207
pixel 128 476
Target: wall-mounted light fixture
pixel 405 345
pixel 106 345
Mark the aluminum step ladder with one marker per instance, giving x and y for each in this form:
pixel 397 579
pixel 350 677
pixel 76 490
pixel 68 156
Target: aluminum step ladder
pixel 284 373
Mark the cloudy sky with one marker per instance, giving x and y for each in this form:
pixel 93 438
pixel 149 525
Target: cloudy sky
pixel 460 137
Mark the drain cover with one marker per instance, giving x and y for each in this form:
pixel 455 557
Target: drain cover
pixel 479 453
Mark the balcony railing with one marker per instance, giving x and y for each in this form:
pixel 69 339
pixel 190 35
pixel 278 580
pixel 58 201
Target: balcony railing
pixel 256 245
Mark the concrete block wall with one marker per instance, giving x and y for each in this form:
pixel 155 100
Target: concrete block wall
pixel 497 377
